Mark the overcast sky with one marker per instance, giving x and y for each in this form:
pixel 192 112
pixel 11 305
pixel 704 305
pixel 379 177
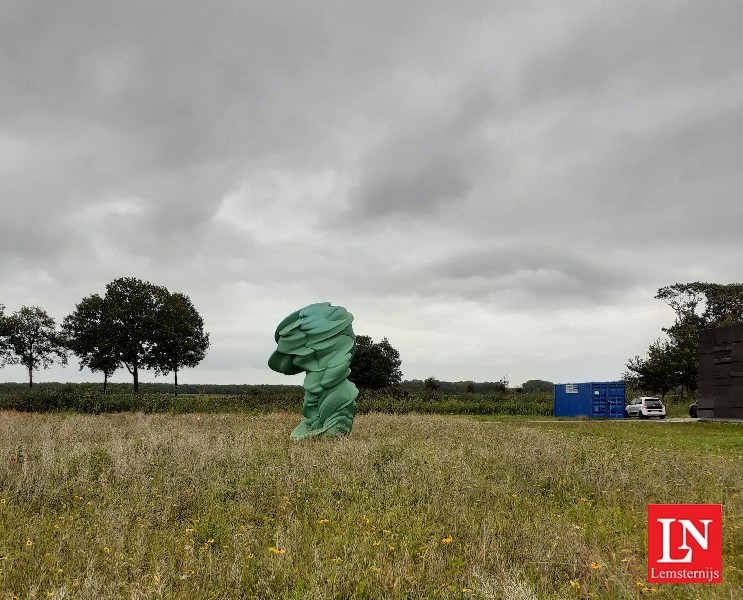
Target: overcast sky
pixel 498 187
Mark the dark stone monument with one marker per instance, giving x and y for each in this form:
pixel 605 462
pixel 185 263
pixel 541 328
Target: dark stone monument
pixel 720 378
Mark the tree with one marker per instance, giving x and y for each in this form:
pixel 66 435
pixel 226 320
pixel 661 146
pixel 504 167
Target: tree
pixel 673 362
pixel 658 372
pixel 375 366
pixel 3 337
pixel 133 306
pixel 88 334
pixel 32 340
pixel 538 385
pixel 431 384
pixel 180 339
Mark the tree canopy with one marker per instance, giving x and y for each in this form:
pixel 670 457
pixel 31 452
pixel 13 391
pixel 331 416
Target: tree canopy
pixel 672 362
pixel 375 365
pixel 538 385
pixel 30 338
pixel 138 325
pixel 87 333
pixel 180 340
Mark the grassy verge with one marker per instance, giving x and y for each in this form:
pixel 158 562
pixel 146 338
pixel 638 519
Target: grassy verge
pixel 225 506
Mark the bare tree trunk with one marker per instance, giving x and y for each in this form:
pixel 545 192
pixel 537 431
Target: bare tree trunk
pixel 105 382
pixel 176 382
pixel 30 377
pixel 136 378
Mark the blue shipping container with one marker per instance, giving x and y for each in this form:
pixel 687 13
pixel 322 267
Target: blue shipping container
pixel 595 399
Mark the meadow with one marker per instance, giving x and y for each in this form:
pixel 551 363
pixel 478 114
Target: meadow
pixel 134 505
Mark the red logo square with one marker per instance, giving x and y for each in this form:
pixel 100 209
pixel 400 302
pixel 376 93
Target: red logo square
pixel 685 543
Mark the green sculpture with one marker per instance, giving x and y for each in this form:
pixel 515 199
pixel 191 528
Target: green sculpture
pixel 319 339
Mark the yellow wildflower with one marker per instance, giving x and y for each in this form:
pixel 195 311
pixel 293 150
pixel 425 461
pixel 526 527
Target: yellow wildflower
pixel 447 540
pixel 276 550
pixel 376 543
pixel 75 583
pixel 595 565
pixel 574 584
pixel 323 521
pixel 391 548
pixel 189 530
pixel 3 501
pixel 375 570
pixel 29 543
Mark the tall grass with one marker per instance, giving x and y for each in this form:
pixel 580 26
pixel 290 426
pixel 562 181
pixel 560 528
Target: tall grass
pixel 413 506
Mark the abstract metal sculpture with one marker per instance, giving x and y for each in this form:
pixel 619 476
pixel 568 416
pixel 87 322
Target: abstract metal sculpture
pixel 319 339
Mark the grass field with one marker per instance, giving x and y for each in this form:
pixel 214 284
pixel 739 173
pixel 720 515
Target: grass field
pixel 409 506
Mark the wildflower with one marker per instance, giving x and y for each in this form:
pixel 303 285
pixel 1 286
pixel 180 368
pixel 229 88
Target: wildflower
pixel 514 495
pixel 210 541
pixel 365 519
pixel 336 560
pixel 250 555
pixel 156 578
pixel 732 568
pixel 375 570
pixel 376 543
pixel 386 531
pixel 29 543
pixel 595 565
pixel 584 499
pixel 106 550
pixel 189 530
pixel 323 521
pixel 391 548
pixel 574 584
pixel 3 501
pixel 75 583
pixel 276 550
pixel 466 591
pixel 447 540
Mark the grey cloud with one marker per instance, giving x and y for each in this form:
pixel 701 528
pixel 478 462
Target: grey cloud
pixel 414 189
pixel 518 156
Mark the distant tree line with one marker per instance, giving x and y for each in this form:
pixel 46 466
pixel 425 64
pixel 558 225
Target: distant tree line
pixel 136 325
pixel 671 362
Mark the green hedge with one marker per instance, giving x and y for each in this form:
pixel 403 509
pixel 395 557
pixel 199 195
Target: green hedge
pixel 86 400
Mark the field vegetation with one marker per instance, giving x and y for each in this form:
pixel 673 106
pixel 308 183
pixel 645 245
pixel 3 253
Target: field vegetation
pixel 224 505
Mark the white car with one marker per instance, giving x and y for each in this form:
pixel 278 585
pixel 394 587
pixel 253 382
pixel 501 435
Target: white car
pixel 645 407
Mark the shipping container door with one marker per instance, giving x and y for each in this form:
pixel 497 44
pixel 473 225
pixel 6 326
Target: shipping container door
pixel 599 400
pixel 608 399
